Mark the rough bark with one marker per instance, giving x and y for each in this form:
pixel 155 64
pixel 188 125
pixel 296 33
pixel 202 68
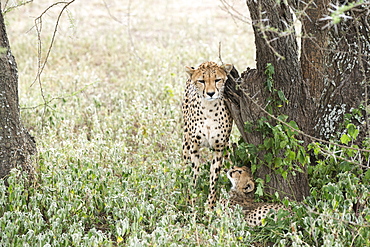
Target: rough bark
pixel 335 64
pixel 282 52
pixel 315 37
pixel 347 74
pixel 16 145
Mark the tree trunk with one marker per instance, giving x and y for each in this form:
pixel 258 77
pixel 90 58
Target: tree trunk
pixel 269 20
pixel 335 65
pixel 325 84
pixel 346 71
pixel 16 145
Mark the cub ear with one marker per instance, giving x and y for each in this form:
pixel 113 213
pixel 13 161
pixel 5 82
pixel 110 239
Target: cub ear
pixel 189 70
pixel 249 187
pixel 227 67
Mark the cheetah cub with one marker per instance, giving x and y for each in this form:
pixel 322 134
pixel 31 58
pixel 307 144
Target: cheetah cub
pixel 242 193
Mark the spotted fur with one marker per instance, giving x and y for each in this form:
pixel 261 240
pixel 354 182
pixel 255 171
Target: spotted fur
pixel 207 120
pixel 242 193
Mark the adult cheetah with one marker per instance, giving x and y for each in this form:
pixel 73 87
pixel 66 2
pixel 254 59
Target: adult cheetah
pixel 207 120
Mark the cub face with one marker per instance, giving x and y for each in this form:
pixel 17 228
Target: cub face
pixel 209 79
pixel 241 179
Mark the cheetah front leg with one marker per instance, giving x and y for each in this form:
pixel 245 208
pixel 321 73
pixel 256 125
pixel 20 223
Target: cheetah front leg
pixel 215 171
pixel 195 165
pixel 195 161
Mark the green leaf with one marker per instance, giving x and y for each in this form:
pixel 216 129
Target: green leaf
pixel 367 176
pixel 268 158
pixel 281 95
pixel 259 191
pixel 367 217
pixel 283 117
pixel 316 148
pixel 268 178
pixel 278 162
pixel 270 70
pixel 284 174
pixel 293 124
pixel 268 143
pixel 301 156
pixel 290 155
pixel 248 127
pixel 253 168
pixel 290 131
pixel 352 131
pixel 307 161
pixel 269 85
pixel 283 144
pixel 267 124
pixel 269 73
pixel 345 139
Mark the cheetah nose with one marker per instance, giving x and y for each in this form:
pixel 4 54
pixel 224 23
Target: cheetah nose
pixel 211 94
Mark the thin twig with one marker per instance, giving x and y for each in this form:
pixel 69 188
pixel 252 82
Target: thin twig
pixel 111 15
pixel 19 4
pixel 38 25
pixel 234 13
pixel 219 52
pixel 129 32
pixel 41 64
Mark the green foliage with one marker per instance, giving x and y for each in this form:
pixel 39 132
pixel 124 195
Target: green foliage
pixel 282 152
pixel 337 212
pixel 277 98
pixel 339 12
pixel 269 72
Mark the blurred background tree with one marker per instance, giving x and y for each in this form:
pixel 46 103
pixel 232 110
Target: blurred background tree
pixel 16 145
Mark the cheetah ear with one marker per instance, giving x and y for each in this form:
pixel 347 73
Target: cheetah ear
pixel 189 70
pixel 227 67
pixel 249 187
pixel 246 169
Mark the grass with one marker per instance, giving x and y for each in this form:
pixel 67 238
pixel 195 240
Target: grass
pixel 108 128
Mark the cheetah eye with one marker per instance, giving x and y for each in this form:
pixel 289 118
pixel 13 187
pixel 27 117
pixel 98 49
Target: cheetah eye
pixel 217 80
pixel 201 81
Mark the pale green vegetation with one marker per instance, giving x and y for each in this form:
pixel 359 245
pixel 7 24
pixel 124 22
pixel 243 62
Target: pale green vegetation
pixel 108 128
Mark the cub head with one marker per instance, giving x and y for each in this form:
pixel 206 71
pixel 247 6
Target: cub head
pixel 209 79
pixel 241 179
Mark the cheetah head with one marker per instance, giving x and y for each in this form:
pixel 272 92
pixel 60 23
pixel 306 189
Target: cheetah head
pixel 209 79
pixel 241 179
